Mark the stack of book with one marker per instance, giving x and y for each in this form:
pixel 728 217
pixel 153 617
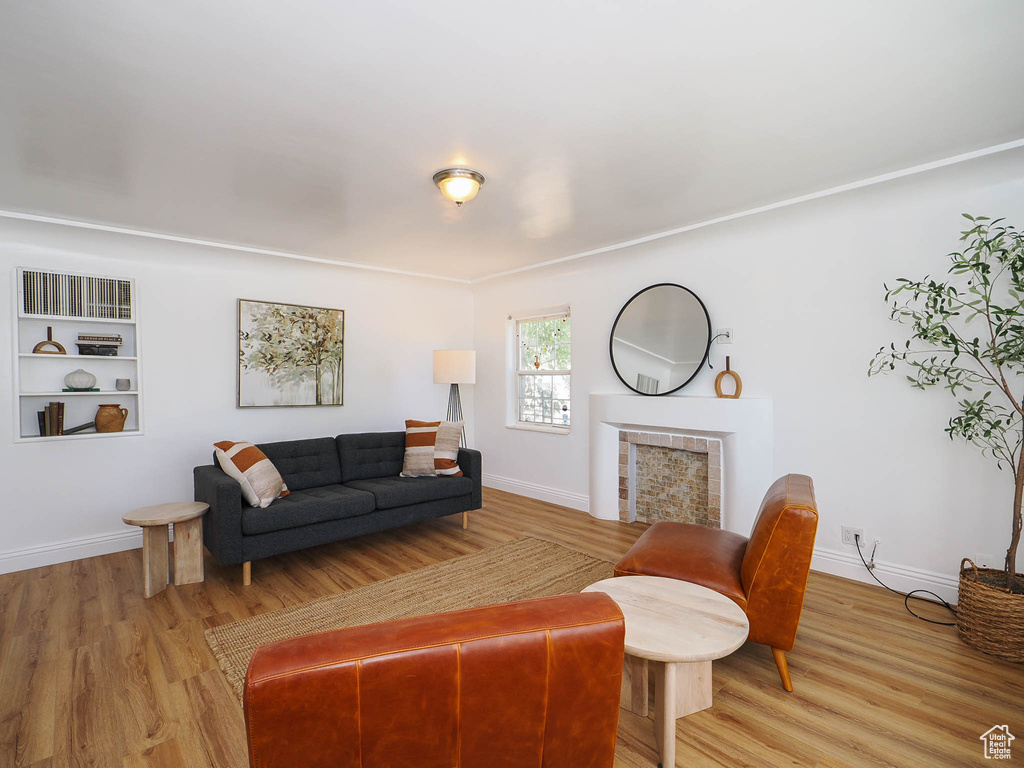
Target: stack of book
pixel 92 344
pixel 51 420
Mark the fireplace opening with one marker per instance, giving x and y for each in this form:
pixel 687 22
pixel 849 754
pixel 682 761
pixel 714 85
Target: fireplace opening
pixel 670 477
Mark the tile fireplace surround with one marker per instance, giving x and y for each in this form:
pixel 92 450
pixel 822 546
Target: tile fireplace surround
pixel 743 428
pixel 670 477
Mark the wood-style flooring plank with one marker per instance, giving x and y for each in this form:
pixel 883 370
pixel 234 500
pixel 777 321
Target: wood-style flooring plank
pixel 28 685
pixel 212 730
pixel 166 754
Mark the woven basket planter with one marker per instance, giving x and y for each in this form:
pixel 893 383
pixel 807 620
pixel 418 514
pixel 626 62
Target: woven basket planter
pixel 989 618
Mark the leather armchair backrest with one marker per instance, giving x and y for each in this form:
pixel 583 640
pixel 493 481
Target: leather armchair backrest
pixel 778 559
pixel 520 684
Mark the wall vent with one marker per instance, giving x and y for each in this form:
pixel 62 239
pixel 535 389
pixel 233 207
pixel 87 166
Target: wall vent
pixel 60 294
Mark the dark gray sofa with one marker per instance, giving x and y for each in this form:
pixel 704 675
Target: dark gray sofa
pixel 340 487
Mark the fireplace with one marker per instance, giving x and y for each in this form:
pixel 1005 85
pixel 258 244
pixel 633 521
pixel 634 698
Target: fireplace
pixel 665 476
pixel 741 430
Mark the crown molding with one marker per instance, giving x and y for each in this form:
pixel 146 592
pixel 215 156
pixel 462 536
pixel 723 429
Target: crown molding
pixel 220 245
pixel 881 179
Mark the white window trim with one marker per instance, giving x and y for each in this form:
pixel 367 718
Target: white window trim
pixel 514 372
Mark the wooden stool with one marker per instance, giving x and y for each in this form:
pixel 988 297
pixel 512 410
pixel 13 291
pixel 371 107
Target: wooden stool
pixel 187 519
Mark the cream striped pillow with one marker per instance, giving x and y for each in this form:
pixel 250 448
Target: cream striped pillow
pixel 261 482
pixel 446 449
pixel 419 448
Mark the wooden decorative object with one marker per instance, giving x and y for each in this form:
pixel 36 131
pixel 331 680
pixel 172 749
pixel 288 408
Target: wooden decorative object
pixel 110 417
pixel 41 347
pixel 735 377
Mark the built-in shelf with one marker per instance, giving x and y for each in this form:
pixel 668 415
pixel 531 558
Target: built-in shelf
pixel 38 356
pixel 81 436
pixel 63 296
pixel 104 393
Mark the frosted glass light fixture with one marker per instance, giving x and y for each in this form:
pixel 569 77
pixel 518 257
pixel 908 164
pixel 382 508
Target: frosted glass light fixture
pixel 459 185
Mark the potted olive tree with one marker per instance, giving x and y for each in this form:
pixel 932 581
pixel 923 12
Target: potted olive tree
pixel 967 334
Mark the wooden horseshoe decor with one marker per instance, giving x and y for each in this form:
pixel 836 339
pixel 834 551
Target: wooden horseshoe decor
pixel 735 377
pixel 41 347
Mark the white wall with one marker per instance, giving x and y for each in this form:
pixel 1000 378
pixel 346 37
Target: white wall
pixel 802 289
pixel 64 500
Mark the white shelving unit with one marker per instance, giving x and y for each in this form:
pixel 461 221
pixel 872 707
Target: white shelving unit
pixel 70 304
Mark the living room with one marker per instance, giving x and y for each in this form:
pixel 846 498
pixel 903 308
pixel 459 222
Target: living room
pixel 776 168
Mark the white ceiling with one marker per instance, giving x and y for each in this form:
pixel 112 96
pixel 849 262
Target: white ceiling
pixel 314 127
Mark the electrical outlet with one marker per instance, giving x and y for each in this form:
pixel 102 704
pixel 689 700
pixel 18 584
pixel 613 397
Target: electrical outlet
pixel 724 335
pixel 849 533
pixel 985 560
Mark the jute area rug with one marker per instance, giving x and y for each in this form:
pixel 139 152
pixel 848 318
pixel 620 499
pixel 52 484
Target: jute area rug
pixel 516 570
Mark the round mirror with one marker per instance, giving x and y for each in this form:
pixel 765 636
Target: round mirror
pixel 660 339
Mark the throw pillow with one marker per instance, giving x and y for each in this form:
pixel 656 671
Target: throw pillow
pixel 261 482
pixel 420 437
pixel 446 449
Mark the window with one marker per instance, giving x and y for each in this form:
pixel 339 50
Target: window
pixel 543 375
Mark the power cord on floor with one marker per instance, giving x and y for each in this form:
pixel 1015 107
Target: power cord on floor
pixel 908 596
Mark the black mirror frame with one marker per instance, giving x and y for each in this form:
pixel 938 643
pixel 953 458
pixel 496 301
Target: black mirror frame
pixel 611 340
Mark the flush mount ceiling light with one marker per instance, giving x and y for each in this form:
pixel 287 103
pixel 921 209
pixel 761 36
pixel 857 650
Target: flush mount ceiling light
pixel 459 184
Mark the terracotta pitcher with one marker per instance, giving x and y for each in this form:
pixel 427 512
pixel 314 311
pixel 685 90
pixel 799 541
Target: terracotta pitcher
pixel 111 418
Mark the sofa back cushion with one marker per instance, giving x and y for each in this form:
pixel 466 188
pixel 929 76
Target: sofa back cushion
pixel 370 454
pixel 305 463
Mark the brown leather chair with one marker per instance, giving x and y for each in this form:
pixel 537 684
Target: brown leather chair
pixel 766 575
pixel 520 684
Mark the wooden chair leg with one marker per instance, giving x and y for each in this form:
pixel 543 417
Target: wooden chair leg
pixel 247 575
pixel 465 520
pixel 783 665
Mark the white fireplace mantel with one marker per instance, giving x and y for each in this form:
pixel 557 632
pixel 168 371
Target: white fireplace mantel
pixel 743 425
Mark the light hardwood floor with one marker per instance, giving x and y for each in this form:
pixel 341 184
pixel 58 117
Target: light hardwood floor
pixel 91 674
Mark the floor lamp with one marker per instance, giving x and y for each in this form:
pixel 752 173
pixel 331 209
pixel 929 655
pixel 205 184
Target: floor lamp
pixel 455 366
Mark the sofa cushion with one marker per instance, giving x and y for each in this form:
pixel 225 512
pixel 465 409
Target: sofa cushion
pixel 705 556
pixel 370 454
pixel 393 492
pixel 305 463
pixel 312 505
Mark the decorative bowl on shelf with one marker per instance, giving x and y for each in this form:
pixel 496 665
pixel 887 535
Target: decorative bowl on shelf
pixel 80 380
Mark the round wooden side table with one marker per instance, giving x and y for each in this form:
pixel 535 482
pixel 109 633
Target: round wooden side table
pixel 187 519
pixel 679 629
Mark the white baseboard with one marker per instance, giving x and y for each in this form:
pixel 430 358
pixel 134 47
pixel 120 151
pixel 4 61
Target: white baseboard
pixel 844 564
pixel 901 577
pixel 55 552
pixel 579 501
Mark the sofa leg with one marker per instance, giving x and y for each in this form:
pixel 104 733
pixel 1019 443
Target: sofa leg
pixel 465 520
pixel 783 665
pixel 247 576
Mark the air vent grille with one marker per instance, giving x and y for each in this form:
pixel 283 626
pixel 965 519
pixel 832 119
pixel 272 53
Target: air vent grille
pixel 57 294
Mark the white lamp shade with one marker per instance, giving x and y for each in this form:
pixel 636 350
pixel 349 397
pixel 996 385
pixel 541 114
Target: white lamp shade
pixel 454 366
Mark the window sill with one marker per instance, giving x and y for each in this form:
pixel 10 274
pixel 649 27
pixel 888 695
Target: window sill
pixel 526 427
